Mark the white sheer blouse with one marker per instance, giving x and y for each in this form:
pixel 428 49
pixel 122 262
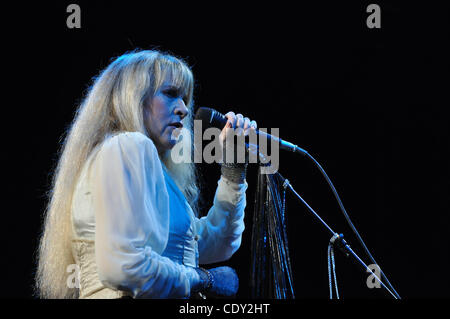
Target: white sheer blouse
pixel 126 214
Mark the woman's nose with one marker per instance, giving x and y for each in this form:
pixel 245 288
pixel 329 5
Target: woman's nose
pixel 181 109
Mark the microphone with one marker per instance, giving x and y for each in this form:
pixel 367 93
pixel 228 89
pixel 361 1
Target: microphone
pixel 213 118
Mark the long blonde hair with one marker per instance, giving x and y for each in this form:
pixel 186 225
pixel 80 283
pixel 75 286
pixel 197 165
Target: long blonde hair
pixel 114 103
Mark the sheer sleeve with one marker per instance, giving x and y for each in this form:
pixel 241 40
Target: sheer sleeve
pixel 220 232
pixel 132 220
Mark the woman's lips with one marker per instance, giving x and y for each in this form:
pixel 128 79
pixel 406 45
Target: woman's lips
pixel 176 129
pixel 176 124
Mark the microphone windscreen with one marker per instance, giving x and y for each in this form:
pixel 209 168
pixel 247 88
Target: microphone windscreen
pixel 210 118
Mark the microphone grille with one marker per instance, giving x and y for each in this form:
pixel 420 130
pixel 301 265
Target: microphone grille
pixel 210 117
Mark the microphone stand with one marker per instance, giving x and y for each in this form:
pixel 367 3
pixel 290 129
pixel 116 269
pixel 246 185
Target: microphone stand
pixel 336 239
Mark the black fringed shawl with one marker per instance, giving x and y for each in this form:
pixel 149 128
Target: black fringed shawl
pixel 271 274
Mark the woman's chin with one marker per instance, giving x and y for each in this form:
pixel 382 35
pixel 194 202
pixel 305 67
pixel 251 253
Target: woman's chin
pixel 168 145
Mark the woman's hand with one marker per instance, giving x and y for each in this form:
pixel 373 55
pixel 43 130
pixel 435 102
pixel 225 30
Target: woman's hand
pixel 237 124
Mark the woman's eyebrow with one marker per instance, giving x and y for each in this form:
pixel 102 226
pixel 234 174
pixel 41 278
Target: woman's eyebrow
pixel 171 87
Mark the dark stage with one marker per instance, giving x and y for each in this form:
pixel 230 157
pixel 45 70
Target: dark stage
pixel 369 104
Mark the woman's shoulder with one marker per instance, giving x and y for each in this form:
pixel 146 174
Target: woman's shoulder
pixel 126 140
pixel 126 145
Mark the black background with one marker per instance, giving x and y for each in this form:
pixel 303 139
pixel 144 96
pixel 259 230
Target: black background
pixel 369 104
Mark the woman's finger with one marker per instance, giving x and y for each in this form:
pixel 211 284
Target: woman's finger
pixel 231 119
pixel 246 125
pixel 239 121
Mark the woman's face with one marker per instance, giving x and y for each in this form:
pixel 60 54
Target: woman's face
pixel 163 116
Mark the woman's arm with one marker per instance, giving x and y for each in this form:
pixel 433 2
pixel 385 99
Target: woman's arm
pixel 132 222
pixel 220 232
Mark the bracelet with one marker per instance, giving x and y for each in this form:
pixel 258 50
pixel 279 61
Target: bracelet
pixel 234 172
pixel 209 278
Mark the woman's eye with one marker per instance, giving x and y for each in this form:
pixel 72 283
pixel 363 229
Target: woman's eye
pixel 171 93
pixel 174 93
